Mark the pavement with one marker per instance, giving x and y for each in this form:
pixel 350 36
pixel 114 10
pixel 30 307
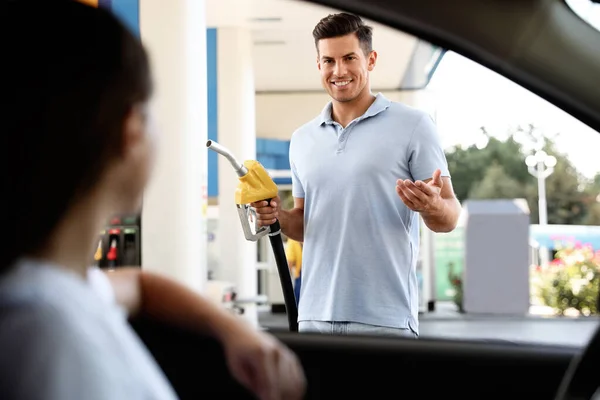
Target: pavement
pixel 446 322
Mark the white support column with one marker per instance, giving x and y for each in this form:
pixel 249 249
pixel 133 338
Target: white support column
pixel 427 256
pixel 426 100
pixel 237 132
pixel 174 210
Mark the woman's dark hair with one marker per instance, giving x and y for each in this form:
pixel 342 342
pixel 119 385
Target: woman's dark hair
pixel 342 24
pixel 71 74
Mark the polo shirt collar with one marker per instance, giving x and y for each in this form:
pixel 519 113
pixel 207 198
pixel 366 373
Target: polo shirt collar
pixel 380 104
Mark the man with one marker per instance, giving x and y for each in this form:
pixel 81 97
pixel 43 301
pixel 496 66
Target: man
pixel 362 172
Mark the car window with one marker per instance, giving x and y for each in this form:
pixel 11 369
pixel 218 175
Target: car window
pixel 493 129
pixel 522 263
pixel 588 10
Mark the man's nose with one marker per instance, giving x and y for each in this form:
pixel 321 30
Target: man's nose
pixel 340 69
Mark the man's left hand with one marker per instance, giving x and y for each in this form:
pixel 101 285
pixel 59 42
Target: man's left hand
pixel 421 196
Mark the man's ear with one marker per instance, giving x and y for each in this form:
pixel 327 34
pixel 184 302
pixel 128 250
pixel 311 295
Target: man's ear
pixel 372 60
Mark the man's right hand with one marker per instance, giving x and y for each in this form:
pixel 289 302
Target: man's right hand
pixel 267 213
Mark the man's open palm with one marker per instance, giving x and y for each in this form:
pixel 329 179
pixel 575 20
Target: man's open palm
pixel 436 183
pixel 421 196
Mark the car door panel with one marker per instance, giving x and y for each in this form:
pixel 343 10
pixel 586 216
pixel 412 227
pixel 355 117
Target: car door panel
pixel 369 367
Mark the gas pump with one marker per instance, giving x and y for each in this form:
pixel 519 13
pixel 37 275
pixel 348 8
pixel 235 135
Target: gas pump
pixel 119 244
pixel 256 185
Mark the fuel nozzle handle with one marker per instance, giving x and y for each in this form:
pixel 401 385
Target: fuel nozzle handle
pixel 275 227
pixel 255 184
pixel 239 168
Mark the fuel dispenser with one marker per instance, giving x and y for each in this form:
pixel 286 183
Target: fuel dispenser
pixel 256 185
pixel 119 244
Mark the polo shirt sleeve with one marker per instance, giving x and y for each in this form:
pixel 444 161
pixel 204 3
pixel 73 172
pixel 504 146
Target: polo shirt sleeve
pixel 425 152
pixel 297 188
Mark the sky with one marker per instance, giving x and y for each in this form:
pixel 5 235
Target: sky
pixel 467 96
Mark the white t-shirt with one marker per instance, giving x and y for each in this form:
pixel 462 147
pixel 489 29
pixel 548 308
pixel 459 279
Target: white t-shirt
pixel 63 337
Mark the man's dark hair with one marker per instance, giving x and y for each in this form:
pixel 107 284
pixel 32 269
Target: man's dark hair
pixel 71 75
pixel 342 24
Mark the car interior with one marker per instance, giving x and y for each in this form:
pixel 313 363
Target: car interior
pixel 546 48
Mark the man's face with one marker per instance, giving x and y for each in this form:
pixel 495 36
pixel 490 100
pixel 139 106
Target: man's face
pixel 344 67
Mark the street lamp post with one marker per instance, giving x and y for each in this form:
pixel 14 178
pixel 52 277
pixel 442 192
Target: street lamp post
pixel 541 165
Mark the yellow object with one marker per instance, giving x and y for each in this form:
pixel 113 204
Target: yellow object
pixel 98 254
pixel 256 185
pixel 293 254
pixel 93 3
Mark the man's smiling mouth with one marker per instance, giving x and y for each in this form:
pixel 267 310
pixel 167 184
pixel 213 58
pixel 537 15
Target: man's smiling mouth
pixel 341 83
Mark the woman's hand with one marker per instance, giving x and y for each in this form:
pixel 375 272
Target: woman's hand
pixel 264 365
pixel 256 359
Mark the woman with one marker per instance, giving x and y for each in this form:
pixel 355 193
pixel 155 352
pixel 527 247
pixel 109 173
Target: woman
pixel 75 150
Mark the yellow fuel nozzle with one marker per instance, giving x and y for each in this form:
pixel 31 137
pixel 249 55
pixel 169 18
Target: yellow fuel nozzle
pixel 255 185
pixel 98 254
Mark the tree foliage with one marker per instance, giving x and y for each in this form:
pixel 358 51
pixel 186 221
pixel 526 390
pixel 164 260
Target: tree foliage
pixel 498 170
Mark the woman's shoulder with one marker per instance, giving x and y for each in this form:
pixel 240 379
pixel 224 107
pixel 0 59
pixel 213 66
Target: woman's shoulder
pixel 55 323
pixel 50 293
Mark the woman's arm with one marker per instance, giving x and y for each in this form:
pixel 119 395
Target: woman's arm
pixel 142 292
pixel 257 360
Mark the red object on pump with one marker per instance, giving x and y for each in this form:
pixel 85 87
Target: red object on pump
pixel 112 253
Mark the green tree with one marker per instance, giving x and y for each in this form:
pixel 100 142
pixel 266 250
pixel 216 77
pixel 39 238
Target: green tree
pixel 592 216
pixel 499 171
pixel 468 166
pixel 591 199
pixel 510 155
pixel 497 184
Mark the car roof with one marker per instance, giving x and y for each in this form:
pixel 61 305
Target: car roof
pixel 541 45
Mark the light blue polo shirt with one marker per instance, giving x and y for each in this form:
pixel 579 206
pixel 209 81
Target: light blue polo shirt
pixel 361 243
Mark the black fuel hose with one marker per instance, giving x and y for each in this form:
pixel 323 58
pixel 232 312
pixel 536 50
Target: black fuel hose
pixel 284 276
